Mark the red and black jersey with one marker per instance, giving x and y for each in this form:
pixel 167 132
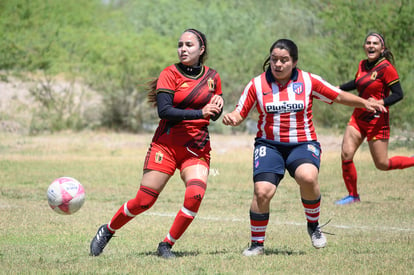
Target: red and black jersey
pixel 375 81
pixel 191 92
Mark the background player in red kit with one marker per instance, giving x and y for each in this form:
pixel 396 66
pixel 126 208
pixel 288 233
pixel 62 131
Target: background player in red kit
pixel 375 78
pixel 187 95
pixel 286 137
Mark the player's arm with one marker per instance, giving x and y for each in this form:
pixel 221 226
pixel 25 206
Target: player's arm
pixel 395 96
pixel 358 102
pixel 246 103
pixel 348 86
pixel 166 110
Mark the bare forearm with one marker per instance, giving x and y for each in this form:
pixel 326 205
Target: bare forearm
pixel 350 99
pixel 358 102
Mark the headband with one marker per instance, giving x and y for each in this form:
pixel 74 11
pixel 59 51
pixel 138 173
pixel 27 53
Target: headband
pixel 197 34
pixel 377 35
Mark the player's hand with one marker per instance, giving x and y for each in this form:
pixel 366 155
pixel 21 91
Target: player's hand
pixel 373 105
pixel 217 100
pixel 211 109
pixel 233 119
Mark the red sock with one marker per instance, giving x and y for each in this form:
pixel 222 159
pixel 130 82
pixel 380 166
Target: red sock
pixel 399 162
pixel 312 209
pixel 258 225
pixel 181 222
pixel 349 175
pixel 194 194
pixel 143 201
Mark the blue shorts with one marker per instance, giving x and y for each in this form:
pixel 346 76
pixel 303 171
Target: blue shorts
pixel 276 157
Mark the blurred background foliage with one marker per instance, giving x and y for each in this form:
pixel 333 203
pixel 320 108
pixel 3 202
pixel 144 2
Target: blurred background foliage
pixel 115 47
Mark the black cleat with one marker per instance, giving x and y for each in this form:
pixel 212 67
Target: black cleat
pixel 164 250
pixel 100 240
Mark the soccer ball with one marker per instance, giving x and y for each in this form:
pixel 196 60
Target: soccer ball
pixel 65 195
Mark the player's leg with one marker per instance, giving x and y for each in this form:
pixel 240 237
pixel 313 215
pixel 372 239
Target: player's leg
pixel 268 170
pixel 158 168
pixel 151 185
pixel 303 164
pixel 194 173
pixel 264 189
pixel 351 141
pixel 306 176
pixel 379 153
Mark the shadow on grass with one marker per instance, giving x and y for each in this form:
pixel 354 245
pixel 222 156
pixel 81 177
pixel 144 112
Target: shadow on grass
pixel 288 252
pixel 268 251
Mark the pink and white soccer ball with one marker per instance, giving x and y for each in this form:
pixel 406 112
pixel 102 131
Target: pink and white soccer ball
pixel 65 195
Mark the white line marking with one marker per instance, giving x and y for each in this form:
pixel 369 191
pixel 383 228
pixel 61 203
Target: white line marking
pixel 368 228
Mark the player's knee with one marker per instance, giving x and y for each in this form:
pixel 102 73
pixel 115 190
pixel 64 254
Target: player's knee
pixel 144 200
pixel 383 166
pixel 194 194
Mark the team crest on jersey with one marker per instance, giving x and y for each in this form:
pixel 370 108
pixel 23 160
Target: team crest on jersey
pixel 313 149
pixel 211 85
pixel 298 88
pixel 158 157
pixel 374 75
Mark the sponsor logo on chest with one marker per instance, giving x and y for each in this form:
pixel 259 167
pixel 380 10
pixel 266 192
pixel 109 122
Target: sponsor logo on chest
pixel 281 107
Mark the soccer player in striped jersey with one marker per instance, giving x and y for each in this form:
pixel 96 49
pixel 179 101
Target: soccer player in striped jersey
pixel 187 95
pixel 286 139
pixel 375 78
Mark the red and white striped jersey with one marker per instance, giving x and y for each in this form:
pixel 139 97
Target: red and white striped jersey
pixel 285 112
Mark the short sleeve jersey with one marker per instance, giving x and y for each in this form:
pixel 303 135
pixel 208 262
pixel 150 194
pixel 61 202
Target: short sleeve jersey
pixel 190 93
pixel 376 81
pixel 285 112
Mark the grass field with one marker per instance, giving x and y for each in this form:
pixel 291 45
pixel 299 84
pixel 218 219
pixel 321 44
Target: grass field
pixel 375 236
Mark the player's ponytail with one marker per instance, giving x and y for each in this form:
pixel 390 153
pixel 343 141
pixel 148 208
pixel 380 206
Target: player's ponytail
pixel 152 95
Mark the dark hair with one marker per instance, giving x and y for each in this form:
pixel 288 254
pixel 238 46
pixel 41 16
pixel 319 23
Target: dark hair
pixel 284 44
pixel 387 52
pixel 152 85
pixel 203 42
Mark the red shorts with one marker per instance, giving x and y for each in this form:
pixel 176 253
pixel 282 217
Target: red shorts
pixel 371 126
pixel 167 158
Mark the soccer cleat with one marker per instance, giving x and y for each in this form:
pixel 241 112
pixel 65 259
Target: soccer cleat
pixel 347 200
pixel 164 250
pixel 317 237
pixel 255 249
pixel 100 240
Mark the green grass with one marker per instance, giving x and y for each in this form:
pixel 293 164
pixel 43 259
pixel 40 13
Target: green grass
pixel 375 236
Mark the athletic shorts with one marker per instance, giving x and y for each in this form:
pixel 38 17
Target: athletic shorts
pixel 371 125
pixel 275 157
pixel 167 158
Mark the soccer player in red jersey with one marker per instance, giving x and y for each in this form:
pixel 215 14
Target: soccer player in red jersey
pixel 286 137
pixel 375 78
pixel 187 95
